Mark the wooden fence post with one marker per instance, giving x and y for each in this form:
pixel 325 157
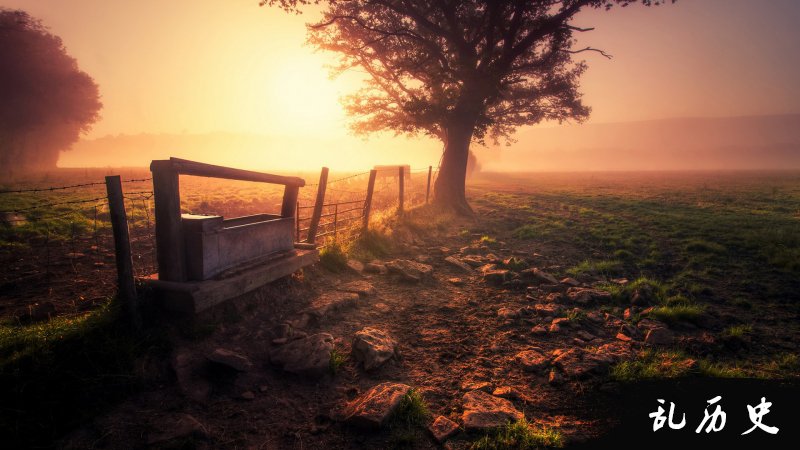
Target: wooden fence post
pixel 297 222
pixel 401 190
pixel 318 203
pixel 122 251
pixel 169 233
pixel 428 190
pixel 335 220
pixel 368 201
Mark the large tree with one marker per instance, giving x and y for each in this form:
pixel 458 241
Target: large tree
pixel 460 71
pixel 46 101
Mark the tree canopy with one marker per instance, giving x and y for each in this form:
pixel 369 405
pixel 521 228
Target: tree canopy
pixel 457 70
pixel 47 101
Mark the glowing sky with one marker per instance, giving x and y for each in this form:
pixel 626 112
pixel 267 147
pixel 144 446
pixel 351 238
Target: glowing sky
pixel 197 66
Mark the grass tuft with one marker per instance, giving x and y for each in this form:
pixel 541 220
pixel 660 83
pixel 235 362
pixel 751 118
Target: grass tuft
pixel 678 313
pixel 519 435
pixel 337 361
pixel 333 257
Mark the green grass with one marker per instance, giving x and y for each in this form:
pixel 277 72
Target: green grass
pixel 589 267
pixel 678 313
pixel 519 435
pixel 333 257
pixel 652 364
pixel 408 421
pixel 370 245
pixel 737 331
pixel 59 374
pixel 338 359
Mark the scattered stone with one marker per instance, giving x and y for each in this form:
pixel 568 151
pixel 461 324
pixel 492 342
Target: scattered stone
pixel 483 411
pixel 375 267
pixel 177 427
pixel 584 296
pixel 456 281
pixel 578 363
pixel 555 378
pixel 554 297
pixel 515 263
pixel 493 259
pixel 355 265
pixel 649 324
pixel 184 364
pixel 585 335
pixel 382 308
pixel 619 281
pixel 442 429
pixel 487 268
pixel 496 276
pixel 539 330
pixel 373 408
pixel 547 309
pixel 532 360
pixel 507 392
pixel 422 258
pixel 331 302
pixel 228 358
pixel 362 288
pixel 507 313
pixel 659 336
pixel 484 386
pixel 410 270
pixel 457 263
pixel 248 395
pixel 472 260
pixel 570 282
pixel 624 337
pixel 627 314
pixel 309 356
pixel 373 347
pixel 538 276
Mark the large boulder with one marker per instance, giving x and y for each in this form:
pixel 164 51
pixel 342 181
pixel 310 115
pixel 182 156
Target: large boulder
pixel 484 411
pixel 373 408
pixel 373 347
pixel 309 356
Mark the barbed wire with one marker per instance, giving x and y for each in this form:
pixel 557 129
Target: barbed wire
pixel 71 186
pixel 340 179
pixel 47 205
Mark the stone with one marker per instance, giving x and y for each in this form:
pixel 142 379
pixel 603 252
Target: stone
pixel 539 330
pixel 483 411
pixel 570 282
pixel 578 363
pixel 484 386
pixel 532 360
pixel 410 270
pixel 185 365
pixel 554 297
pixel 331 302
pixel 375 267
pixel 619 281
pixel 248 395
pixel 362 288
pixel 472 260
pixel 507 392
pixel 228 358
pixel 458 264
pixel 515 263
pixel 176 427
pixel 507 313
pixel 442 429
pixel 555 378
pixel 538 276
pixel 659 336
pixel 355 265
pixel 309 356
pixel 373 347
pixel 497 276
pixel 585 335
pixel 585 296
pixel 373 408
pixel 455 281
pixel 627 314
pixel 623 337
pixel 643 296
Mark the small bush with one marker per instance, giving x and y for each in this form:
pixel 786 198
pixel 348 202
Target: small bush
pixel 333 257
pixel 519 435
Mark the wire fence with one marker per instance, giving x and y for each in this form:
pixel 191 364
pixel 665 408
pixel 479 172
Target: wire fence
pixel 57 245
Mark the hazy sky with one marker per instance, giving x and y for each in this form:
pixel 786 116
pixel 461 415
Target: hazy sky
pixel 194 66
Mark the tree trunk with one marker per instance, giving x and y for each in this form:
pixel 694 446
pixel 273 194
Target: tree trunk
pixel 450 184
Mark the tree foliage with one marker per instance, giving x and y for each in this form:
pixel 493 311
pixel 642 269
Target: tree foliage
pixel 47 101
pixel 457 70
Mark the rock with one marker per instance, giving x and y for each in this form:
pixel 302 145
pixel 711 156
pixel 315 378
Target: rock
pixel 177 427
pixel 547 309
pixel 643 296
pixel 538 276
pixel 310 356
pixel 515 263
pixel 570 282
pixel 228 358
pixel 532 360
pixel 539 330
pixel 619 281
pixel 329 303
pixel 627 314
pixel 649 324
pixel 585 296
pixel 282 331
pixel 422 258
pixel 185 365
pixel 355 265
pixel 624 337
pixel 373 408
pixel 456 281
pixel 410 270
pixel 472 260
pixel 495 276
pixel 578 363
pixel 373 347
pixel 659 336
pixel 507 392
pixel 457 263
pixel 362 288
pixel 585 335
pixel 555 378
pixel 493 259
pixel 442 429
pixel 375 267
pixel 554 297
pixel 248 395
pixel 507 313
pixel 484 386
pixel 483 412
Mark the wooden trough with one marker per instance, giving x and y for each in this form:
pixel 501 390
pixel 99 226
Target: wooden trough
pixel 206 260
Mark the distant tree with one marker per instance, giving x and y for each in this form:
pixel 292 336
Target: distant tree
pixel 46 101
pixel 459 71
